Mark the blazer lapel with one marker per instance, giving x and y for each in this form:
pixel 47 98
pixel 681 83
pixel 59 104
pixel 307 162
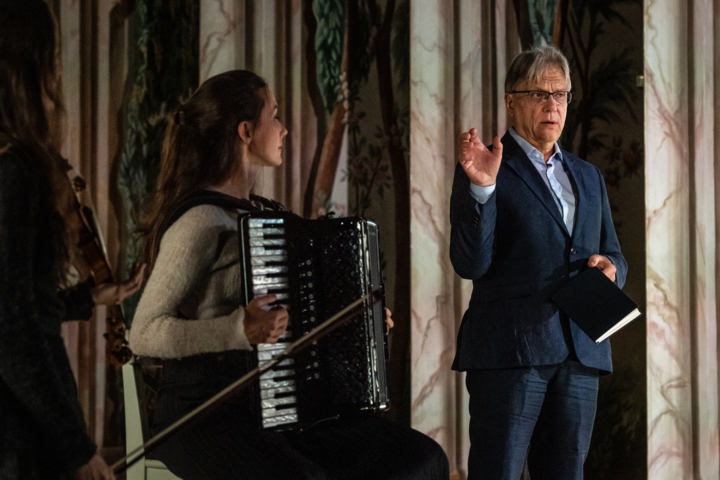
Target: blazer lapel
pixel 515 158
pixel 580 199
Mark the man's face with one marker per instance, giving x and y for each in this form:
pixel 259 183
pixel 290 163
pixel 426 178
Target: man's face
pixel 539 122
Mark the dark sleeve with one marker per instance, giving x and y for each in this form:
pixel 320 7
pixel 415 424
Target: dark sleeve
pixel 609 244
pixel 78 302
pixel 472 229
pixel 26 361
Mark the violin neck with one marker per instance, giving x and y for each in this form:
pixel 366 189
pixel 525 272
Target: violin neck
pixel 117 312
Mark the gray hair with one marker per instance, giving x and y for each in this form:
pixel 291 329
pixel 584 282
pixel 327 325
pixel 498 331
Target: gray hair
pixel 533 63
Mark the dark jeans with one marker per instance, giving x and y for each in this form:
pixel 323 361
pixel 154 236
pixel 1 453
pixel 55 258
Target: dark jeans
pixel 550 409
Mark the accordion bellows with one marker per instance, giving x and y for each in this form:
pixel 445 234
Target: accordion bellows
pixel 316 268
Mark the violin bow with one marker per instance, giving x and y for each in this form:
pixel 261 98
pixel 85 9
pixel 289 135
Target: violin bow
pixel 337 320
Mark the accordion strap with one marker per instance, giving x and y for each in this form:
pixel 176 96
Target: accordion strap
pixel 209 197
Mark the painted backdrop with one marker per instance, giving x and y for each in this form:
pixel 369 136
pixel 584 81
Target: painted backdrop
pixel 354 124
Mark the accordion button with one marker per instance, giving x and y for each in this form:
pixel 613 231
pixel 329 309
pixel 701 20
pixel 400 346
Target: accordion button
pixel 316 364
pixel 312 319
pixel 313 352
pixel 310 285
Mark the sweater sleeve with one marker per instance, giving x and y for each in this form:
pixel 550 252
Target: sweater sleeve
pixel 27 366
pixel 186 257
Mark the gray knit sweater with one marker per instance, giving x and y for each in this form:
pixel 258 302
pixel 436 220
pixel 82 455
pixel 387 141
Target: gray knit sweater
pixel 191 303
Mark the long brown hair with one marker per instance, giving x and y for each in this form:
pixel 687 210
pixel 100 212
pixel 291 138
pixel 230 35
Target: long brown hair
pixel 201 145
pixel 29 73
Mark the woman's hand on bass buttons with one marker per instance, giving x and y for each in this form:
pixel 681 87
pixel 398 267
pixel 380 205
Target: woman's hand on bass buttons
pixel 388 320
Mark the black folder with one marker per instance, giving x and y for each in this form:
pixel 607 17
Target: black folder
pixel 596 304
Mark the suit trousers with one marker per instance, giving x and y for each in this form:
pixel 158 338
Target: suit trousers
pixel 542 413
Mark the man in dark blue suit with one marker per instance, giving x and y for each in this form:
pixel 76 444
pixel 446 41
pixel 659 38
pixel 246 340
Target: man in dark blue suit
pixel 526 217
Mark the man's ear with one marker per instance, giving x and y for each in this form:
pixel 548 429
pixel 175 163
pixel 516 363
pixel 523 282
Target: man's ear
pixel 510 103
pixel 245 132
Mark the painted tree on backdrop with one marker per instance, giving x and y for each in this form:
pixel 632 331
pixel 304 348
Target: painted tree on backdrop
pixel 164 72
pixel 606 89
pixel 602 88
pixel 333 21
pixel 362 31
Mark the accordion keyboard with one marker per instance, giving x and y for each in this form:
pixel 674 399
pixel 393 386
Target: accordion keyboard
pixel 316 268
pixel 269 260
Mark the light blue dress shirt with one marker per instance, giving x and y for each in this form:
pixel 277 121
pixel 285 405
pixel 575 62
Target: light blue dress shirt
pixel 553 174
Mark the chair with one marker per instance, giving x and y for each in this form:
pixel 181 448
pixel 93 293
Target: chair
pixel 137 428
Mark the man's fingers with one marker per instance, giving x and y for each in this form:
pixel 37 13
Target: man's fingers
pixel 497 146
pixel 473 132
pixel 593 260
pixel 604 264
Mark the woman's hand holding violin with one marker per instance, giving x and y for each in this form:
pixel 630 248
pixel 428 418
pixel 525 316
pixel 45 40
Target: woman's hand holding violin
pixel 115 293
pixel 264 323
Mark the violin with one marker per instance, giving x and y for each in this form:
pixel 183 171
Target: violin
pixel 89 240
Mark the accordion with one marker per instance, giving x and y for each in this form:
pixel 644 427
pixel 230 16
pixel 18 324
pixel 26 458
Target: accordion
pixel 316 268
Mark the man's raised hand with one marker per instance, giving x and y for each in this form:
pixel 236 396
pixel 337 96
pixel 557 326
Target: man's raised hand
pixel 480 164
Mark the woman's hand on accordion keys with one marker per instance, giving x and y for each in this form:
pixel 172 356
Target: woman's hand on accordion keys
pixel 264 323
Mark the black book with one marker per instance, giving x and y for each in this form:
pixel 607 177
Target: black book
pixel 596 304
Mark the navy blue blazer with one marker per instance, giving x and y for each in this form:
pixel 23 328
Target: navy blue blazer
pixel 518 252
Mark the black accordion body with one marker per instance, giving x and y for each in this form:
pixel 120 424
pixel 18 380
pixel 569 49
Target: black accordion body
pixel 316 268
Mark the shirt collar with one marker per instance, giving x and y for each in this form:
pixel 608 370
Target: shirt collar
pixel 529 149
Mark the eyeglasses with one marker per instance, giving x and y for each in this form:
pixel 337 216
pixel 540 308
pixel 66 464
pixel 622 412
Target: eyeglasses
pixel 540 96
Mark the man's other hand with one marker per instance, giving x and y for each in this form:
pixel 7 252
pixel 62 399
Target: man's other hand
pixel 604 265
